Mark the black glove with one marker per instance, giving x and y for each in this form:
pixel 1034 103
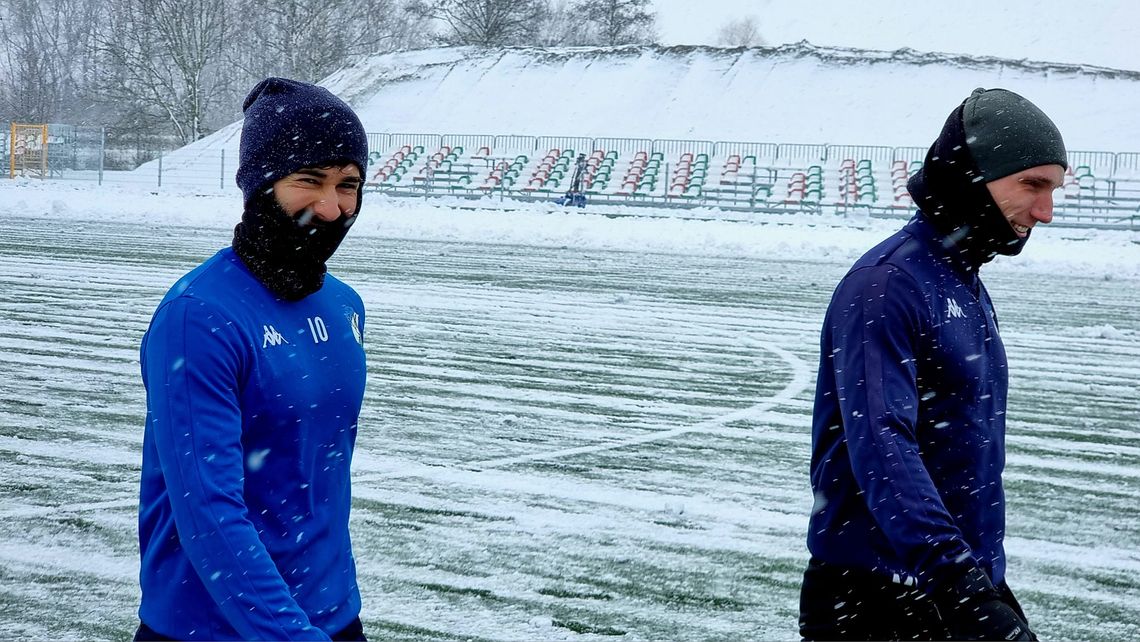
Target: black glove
pixel 972 609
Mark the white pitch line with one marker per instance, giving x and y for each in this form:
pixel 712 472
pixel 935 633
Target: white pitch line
pixel 25 512
pixel 799 382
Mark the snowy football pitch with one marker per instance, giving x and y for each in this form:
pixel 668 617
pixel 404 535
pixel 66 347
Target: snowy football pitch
pixel 556 443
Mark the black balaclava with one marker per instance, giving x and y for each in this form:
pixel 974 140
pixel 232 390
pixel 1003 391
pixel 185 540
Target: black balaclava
pixel 287 254
pixel 992 134
pixel 289 126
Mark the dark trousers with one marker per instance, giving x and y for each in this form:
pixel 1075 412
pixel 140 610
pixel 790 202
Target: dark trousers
pixel 354 632
pixel 852 604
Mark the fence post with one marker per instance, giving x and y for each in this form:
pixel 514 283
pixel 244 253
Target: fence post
pixel 752 190
pixel 222 178
pixel 102 151
pixel 160 168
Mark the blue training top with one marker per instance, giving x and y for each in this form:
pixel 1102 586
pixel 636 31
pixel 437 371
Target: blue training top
pixel 908 435
pixel 252 404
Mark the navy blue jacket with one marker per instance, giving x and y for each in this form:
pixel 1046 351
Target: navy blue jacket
pixel 252 404
pixel 908 434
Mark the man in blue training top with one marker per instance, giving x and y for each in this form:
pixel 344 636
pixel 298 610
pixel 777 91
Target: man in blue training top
pixel 908 432
pixel 254 373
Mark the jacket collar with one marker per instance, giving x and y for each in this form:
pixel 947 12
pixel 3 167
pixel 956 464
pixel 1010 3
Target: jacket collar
pixel 943 248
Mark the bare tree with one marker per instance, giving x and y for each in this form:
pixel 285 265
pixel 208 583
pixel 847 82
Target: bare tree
pixel 486 23
pixel 160 54
pixel 309 39
pixel 149 68
pixel 744 32
pixel 46 58
pixel 27 93
pixel 618 22
pixel 564 26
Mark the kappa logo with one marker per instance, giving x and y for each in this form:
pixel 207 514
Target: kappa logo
pixel 272 337
pixel 953 310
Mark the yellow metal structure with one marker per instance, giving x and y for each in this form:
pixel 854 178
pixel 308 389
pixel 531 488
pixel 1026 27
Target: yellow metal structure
pixel 28 151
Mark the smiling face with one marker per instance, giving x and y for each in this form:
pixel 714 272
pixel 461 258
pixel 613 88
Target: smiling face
pixel 1026 198
pixel 320 193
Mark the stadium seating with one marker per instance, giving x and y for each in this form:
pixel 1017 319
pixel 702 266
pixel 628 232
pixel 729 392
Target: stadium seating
pixel 899 177
pixel 689 175
pixel 750 176
pixel 597 172
pixel 397 164
pixel 856 182
pixel 633 173
pixel 550 172
pixel 797 186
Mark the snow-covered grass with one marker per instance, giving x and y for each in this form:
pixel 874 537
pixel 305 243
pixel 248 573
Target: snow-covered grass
pixel 1097 253
pixel 576 427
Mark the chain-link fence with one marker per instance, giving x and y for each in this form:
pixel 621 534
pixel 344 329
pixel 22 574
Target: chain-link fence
pixel 92 153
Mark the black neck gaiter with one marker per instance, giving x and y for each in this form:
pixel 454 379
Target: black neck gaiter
pixel 951 193
pixel 287 254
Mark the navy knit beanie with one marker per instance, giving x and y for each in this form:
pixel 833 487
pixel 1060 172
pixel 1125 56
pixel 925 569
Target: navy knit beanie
pixel 290 125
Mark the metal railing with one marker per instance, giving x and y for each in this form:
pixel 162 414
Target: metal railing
pixel 677 147
pixel 762 152
pixel 578 144
pixel 1111 199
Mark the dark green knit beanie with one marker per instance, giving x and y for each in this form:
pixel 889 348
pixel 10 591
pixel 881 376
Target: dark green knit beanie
pixel 1007 134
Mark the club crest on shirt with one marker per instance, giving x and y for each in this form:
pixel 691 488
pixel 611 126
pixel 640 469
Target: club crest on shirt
pixel 354 321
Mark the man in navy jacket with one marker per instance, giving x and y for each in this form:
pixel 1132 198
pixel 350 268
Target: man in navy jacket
pixel 908 433
pixel 254 373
